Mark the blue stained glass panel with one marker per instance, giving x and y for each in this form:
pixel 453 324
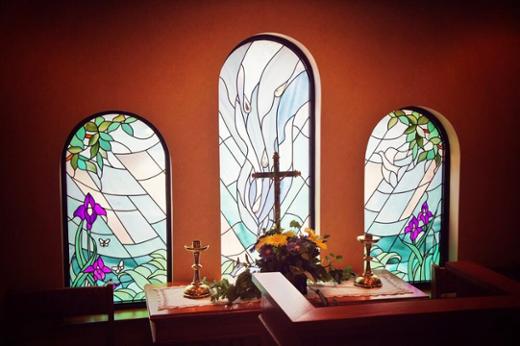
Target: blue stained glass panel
pixel 264 107
pixel 404 177
pixel 117 207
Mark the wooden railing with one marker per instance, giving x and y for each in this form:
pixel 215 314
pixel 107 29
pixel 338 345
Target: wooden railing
pixel 485 309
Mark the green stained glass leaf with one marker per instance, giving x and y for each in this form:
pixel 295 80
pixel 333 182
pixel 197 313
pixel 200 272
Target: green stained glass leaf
pixel 157 264
pixel 94 150
pixel 391 123
pixel 120 295
pixel 410 129
pixel 104 126
pixel 128 129
pixel 91 127
pixel 143 271
pixel 415 151
pixel 412 119
pixel 435 140
pixel 103 153
pixel 105 145
pixel 422 156
pixel 91 167
pixel 438 160
pixel 139 279
pixel 113 127
pixel 431 155
pixel 159 254
pixel 119 118
pixel 93 140
pixel 106 137
pixel 399 113
pixel 140 295
pixel 431 127
pixel 420 141
pixel 404 120
pixel 75 150
pixel 99 120
pixel 160 277
pixel 423 120
pixel 81 133
pixel 410 137
pixel 99 160
pixel 155 281
pixel 130 120
pixel 74 162
pixel 159 272
pixel 81 164
pixel 76 142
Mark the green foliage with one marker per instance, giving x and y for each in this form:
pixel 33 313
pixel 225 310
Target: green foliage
pixel 83 261
pixel 419 264
pixel 334 273
pixel 93 138
pixel 381 260
pixel 151 272
pixel 420 132
pixel 243 288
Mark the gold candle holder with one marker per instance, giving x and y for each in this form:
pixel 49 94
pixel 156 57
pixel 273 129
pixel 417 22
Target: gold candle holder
pixel 196 289
pixel 368 279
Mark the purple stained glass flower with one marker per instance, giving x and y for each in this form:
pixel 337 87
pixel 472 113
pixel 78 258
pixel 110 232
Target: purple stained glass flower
pixel 98 269
pixel 89 211
pixel 413 228
pixel 425 215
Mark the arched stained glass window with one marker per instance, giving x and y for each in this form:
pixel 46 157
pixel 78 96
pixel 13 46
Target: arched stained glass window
pixel 266 105
pixel 116 185
pixel 406 193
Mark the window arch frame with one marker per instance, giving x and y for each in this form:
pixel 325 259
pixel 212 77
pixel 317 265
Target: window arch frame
pixel 314 114
pixel 64 205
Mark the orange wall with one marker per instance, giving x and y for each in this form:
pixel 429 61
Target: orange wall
pixel 61 63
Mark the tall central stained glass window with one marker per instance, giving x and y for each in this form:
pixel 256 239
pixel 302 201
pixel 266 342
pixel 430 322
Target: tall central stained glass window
pixel 116 183
pixel 266 105
pixel 406 191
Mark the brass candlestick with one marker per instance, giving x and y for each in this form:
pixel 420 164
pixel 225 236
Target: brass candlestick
pixel 368 279
pixel 196 289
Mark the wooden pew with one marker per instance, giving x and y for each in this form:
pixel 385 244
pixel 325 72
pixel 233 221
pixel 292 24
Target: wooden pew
pixel 485 310
pixel 64 316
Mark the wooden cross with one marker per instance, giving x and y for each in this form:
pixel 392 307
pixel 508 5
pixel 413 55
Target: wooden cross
pixel 277 177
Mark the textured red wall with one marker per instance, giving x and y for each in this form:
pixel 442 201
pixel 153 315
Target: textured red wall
pixel 161 60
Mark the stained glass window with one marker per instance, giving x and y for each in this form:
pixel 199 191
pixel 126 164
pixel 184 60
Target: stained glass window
pixel 116 205
pixel 405 193
pixel 266 105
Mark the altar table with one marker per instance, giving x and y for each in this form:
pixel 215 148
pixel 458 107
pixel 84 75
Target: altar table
pixel 238 322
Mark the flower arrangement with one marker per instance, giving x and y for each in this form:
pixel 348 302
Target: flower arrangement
pixel 295 254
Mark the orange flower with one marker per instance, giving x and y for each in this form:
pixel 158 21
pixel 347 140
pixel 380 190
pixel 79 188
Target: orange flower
pixel 315 238
pixel 289 234
pixel 276 240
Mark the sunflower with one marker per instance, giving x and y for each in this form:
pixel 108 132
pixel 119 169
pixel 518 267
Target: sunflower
pixel 276 240
pixel 315 238
pixel 289 234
